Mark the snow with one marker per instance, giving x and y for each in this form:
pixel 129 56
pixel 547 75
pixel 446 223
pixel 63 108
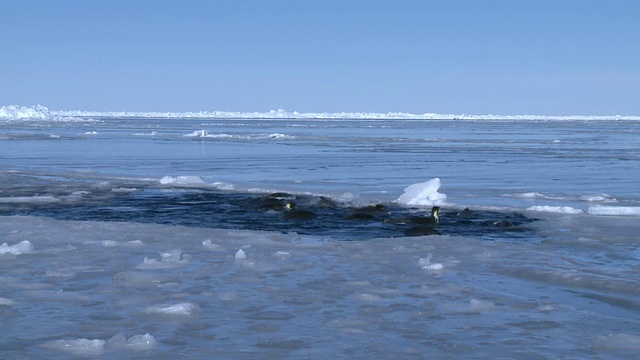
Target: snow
pixel 423 194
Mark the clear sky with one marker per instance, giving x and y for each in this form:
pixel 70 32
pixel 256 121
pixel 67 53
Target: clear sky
pixel 544 57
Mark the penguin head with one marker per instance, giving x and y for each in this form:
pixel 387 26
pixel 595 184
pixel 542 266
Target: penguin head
pixel 435 212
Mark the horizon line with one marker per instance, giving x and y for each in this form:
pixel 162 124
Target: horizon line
pixel 40 111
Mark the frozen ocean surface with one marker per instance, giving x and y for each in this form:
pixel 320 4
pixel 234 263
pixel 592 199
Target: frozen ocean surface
pixel 145 235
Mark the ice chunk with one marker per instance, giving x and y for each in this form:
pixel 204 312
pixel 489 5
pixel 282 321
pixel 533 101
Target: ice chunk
pixel 168 260
pixel 23 247
pixel 281 255
pixel 117 342
pixel 598 198
pixel 109 243
pixel 6 302
pixel 77 347
pixel 240 255
pixel 142 342
pixel 181 310
pixel 173 255
pixel 181 180
pixel 425 264
pixel 555 209
pixel 423 194
pixel 198 133
pixel 480 305
pixel 614 210
pixel 123 190
pixel 530 195
pixel 37 199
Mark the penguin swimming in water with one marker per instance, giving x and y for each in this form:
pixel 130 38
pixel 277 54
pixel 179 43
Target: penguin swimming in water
pixel 433 219
pixel 465 214
pixel 277 201
pixel 367 212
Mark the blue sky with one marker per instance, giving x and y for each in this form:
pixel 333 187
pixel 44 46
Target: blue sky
pixel 546 57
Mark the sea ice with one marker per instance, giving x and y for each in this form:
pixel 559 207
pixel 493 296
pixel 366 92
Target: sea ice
pixel 281 255
pixel 423 194
pixel 181 180
pixel 614 210
pixel 6 302
pixel 77 347
pixel 37 199
pixel 530 195
pixel 135 342
pixel 142 342
pixel 23 247
pixel 181 310
pixel 209 245
pixel 167 260
pixel 425 264
pixel 555 209
pixel 598 197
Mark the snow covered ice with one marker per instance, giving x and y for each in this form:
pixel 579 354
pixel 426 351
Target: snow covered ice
pixel 109 247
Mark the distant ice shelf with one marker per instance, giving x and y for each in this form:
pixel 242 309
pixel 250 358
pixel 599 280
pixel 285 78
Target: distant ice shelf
pixel 42 113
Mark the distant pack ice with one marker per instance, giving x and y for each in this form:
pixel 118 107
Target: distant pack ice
pixel 39 112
